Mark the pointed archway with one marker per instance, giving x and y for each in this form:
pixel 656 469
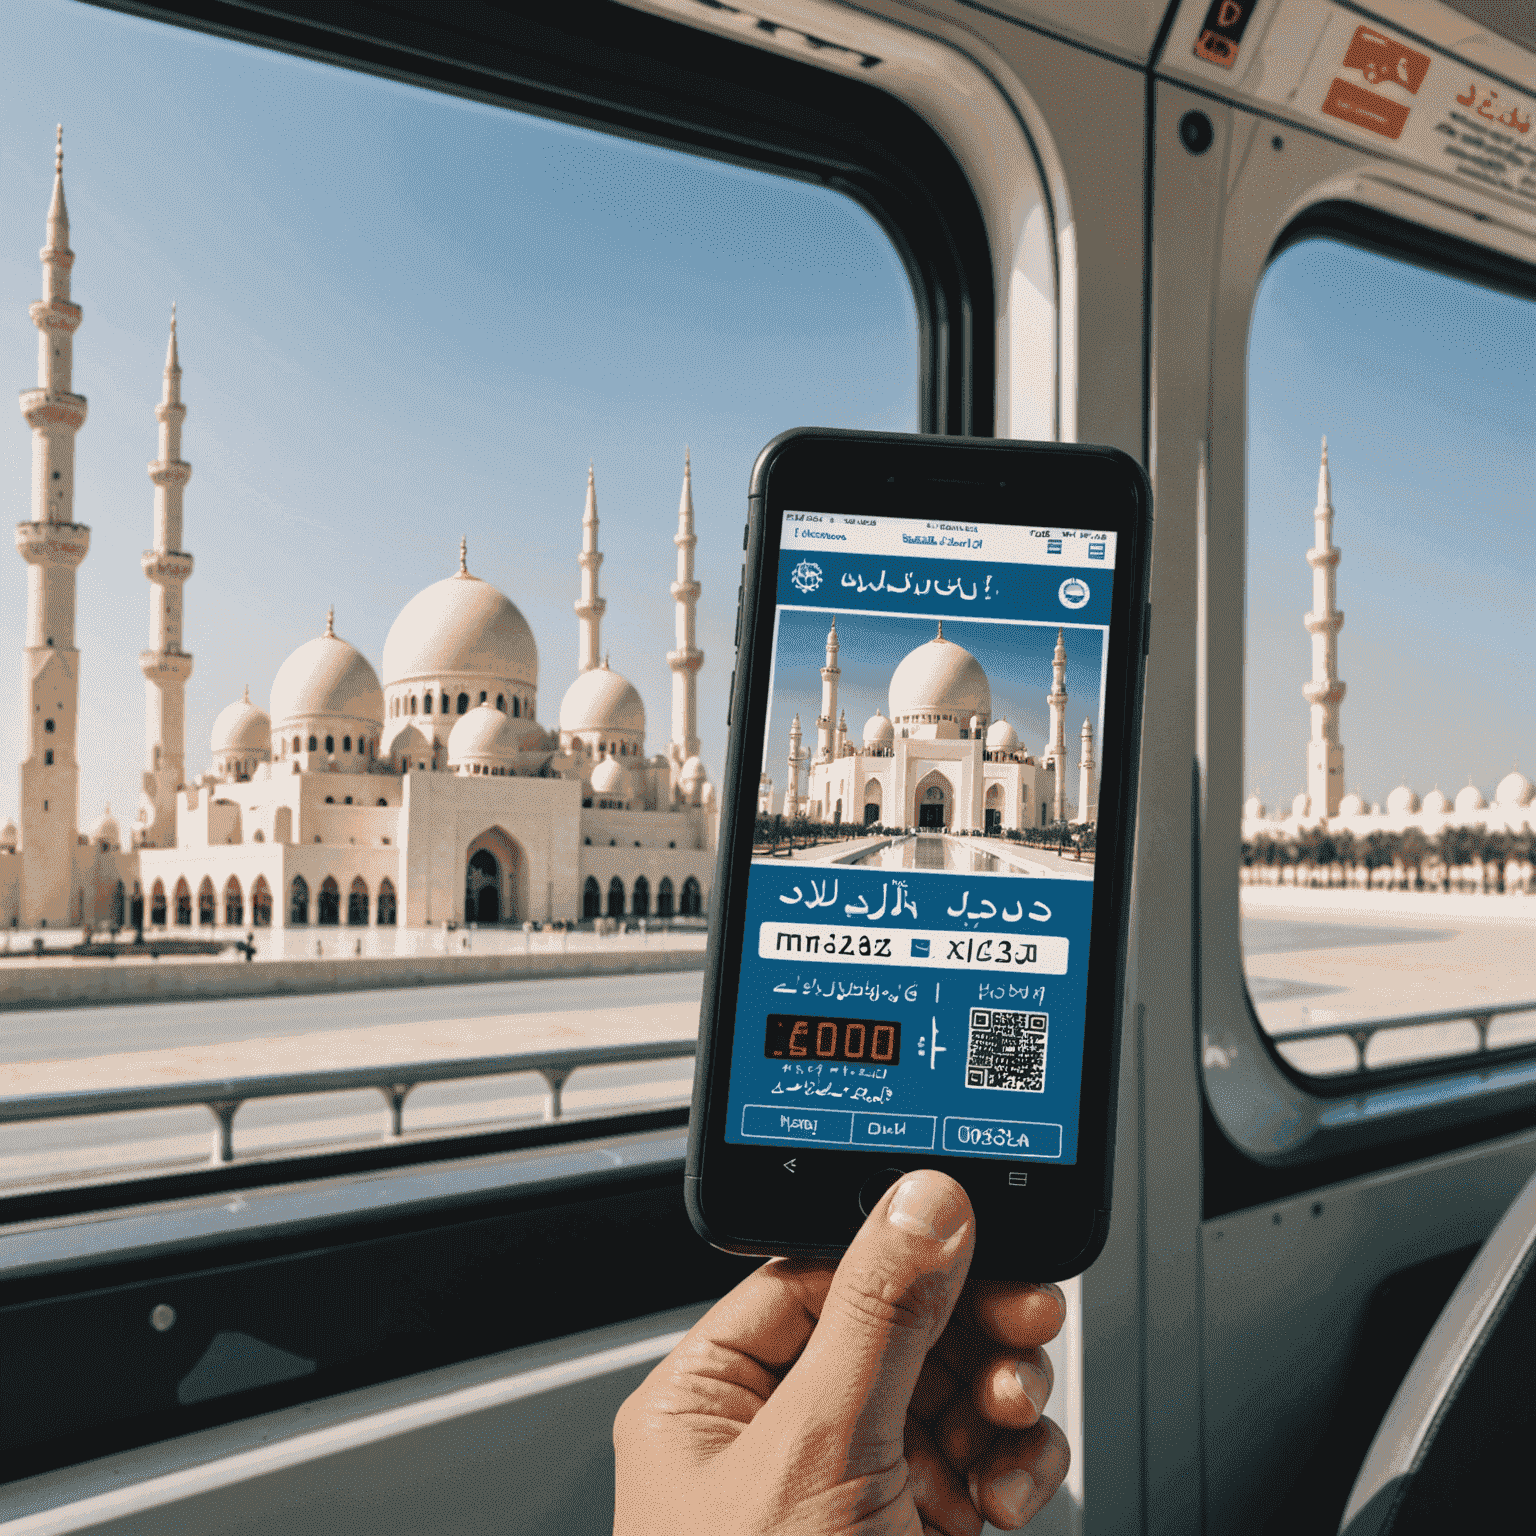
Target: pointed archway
pixel 495 879
pixel 934 802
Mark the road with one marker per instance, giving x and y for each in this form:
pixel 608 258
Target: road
pixel 67 1034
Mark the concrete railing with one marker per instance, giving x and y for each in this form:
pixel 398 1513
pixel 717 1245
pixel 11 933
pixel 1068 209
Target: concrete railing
pixel 222 1098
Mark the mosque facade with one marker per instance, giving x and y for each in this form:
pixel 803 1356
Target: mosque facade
pixel 1325 802
pixel 939 761
pixel 433 795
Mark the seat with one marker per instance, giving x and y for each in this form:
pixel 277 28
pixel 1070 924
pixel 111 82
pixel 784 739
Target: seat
pixel 1450 1453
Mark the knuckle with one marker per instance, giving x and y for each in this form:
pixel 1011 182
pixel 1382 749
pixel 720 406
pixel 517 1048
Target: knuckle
pixel 875 1296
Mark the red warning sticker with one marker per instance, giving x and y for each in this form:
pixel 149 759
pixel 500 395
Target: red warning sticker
pixel 1380 61
pixel 1379 58
pixel 1365 109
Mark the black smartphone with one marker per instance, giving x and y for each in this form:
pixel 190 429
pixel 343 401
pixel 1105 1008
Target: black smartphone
pixel 917 943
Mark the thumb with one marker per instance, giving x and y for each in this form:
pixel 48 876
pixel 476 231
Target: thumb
pixel 888 1303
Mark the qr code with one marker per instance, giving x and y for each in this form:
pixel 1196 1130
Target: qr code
pixel 1007 1050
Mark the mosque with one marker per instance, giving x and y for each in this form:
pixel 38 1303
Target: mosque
pixel 435 796
pixel 1324 802
pixel 938 761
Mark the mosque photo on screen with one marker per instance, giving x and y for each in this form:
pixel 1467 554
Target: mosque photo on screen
pixel 938 758
pixel 431 794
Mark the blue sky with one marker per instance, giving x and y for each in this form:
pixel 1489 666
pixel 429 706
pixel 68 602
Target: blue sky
pixel 1424 387
pixel 404 318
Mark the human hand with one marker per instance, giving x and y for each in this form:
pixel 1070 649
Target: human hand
pixel 884 1397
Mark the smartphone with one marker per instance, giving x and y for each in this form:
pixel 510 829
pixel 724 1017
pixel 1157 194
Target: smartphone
pixel 917 944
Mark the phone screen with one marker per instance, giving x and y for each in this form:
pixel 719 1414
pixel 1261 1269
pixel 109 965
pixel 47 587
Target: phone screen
pixel 920 897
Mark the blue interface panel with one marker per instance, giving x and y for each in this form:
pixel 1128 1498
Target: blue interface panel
pixel 919 907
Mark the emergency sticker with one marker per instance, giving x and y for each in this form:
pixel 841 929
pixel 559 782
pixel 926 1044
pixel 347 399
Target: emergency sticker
pixel 1378 60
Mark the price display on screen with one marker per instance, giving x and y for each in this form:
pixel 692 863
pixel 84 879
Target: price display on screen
pixel 804 1037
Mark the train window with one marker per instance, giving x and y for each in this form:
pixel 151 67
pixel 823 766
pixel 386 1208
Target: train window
pixel 1389 831
pixel 471 396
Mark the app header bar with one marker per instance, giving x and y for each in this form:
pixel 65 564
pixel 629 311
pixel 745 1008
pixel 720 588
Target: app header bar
pixel 946 539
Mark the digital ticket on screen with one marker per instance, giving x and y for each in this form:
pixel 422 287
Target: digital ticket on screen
pixel 916 953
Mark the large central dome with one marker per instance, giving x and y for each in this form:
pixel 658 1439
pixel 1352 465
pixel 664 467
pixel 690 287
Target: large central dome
pixel 461 626
pixel 941 678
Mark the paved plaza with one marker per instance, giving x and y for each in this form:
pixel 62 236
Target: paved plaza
pixel 1314 958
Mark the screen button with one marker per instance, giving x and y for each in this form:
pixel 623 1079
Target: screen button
pixel 1028 1138
pixel 766 1122
pixel 875 1186
pixel 888 1130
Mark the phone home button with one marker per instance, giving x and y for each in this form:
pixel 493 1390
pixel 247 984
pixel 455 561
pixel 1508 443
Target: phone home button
pixel 875 1186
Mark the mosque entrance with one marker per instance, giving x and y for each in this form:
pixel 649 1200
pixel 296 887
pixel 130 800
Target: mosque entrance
pixel 482 889
pixel 935 800
pixel 495 879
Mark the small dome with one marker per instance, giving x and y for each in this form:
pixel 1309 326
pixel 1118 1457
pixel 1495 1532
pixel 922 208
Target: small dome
pixel 483 735
pixel 692 774
pixel 241 728
pixel 460 625
pixel 878 731
pixel 1352 805
pixel 1002 737
pixel 1300 806
pixel 1468 799
pixel 327 679
pixel 1253 808
pixel 609 780
pixel 106 830
pixel 600 700
pixel 8 836
pixel 1436 804
pixel 1514 790
pixel 941 676
pixel 1402 802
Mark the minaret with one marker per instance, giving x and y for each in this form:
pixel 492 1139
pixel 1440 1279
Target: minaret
pixel 1056 749
pixel 590 608
pixel 842 733
pixel 686 660
pixel 826 725
pixel 796 757
pixel 52 544
pixel 165 665
pixel 1087 789
pixel 1325 753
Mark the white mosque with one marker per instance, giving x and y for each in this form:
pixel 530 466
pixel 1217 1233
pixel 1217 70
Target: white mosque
pixel 433 797
pixel 1324 802
pixel 938 761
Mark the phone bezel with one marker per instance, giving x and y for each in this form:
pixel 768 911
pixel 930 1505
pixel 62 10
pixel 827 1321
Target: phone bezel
pixel 803 1200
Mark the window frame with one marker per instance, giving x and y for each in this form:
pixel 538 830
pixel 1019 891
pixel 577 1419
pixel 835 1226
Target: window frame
pixel 1271 1130
pixel 603 65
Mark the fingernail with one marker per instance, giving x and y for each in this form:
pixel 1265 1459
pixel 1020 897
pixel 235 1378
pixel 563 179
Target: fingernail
pixel 1052 1289
pixel 928 1205
pixel 1034 1385
pixel 1013 1492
